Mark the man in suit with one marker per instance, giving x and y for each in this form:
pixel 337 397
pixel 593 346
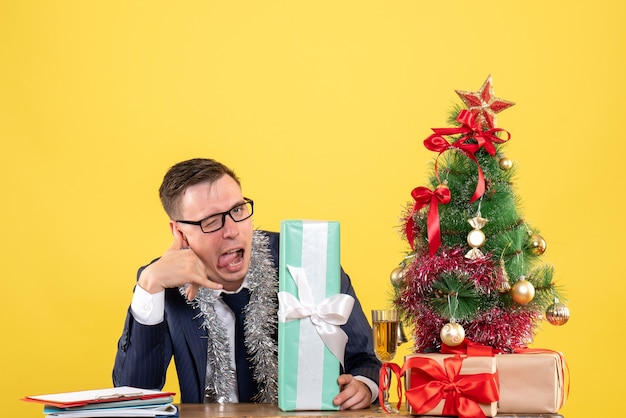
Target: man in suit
pixel 212 295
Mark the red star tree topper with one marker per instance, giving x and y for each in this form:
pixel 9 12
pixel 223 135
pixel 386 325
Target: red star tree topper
pixel 483 104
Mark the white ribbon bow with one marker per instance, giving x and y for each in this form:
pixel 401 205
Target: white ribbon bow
pixel 326 317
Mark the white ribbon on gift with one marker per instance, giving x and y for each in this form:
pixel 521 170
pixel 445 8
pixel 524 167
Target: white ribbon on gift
pixel 326 317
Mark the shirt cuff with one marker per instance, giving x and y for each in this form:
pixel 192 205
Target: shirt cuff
pixel 370 384
pixel 147 308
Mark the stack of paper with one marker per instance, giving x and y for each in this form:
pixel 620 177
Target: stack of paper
pixel 122 401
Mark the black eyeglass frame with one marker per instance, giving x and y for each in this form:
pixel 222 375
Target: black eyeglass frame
pixel 223 214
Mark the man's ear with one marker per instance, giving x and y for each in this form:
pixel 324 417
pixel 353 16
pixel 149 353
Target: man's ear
pixel 178 233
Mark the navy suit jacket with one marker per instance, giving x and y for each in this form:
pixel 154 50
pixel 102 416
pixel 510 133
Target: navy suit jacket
pixel 144 351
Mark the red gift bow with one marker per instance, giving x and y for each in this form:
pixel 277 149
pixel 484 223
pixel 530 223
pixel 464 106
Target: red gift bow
pixel 423 196
pixel 481 388
pixel 469 129
pixel 462 393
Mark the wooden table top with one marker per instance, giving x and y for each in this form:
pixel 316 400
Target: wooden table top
pixel 271 410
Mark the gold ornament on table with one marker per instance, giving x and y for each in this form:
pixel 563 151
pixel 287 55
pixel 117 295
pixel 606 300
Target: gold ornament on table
pixel 557 314
pixel 476 237
pixel 537 244
pixel 523 291
pixel 505 163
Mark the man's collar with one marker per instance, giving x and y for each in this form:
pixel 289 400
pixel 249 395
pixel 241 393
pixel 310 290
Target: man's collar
pixel 243 284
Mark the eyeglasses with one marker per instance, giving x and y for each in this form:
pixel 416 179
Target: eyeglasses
pixel 215 222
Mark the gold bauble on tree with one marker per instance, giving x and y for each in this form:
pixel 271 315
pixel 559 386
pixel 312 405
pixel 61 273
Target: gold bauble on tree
pixel 398 276
pixel 557 313
pixel 505 163
pixel 537 244
pixel 452 334
pixel 523 291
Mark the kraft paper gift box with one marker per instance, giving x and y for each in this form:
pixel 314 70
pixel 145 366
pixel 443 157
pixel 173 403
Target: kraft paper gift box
pixel 531 383
pixel 474 378
pixel 310 342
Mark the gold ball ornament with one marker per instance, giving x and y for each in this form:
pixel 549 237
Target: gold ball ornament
pixel 505 163
pixel 452 334
pixel 537 244
pixel 523 291
pixel 398 276
pixel 557 314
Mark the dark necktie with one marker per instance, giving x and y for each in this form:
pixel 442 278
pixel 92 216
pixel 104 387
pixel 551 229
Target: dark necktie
pixel 245 383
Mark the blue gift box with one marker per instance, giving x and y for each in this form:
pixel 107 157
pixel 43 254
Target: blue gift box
pixel 311 308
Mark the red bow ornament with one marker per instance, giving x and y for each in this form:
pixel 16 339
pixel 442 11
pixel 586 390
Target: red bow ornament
pixel 424 196
pixel 469 129
pixel 431 383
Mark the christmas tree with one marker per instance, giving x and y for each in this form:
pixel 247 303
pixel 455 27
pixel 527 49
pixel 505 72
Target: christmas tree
pixel 474 267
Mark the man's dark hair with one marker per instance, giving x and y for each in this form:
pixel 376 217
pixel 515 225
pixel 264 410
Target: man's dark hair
pixel 188 173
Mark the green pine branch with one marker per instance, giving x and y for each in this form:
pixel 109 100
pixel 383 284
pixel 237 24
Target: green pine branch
pixel 455 297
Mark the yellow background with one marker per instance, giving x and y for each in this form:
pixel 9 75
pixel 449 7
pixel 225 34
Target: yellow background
pixel 321 107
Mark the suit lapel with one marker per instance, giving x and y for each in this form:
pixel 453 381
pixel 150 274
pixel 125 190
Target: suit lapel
pixel 186 325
